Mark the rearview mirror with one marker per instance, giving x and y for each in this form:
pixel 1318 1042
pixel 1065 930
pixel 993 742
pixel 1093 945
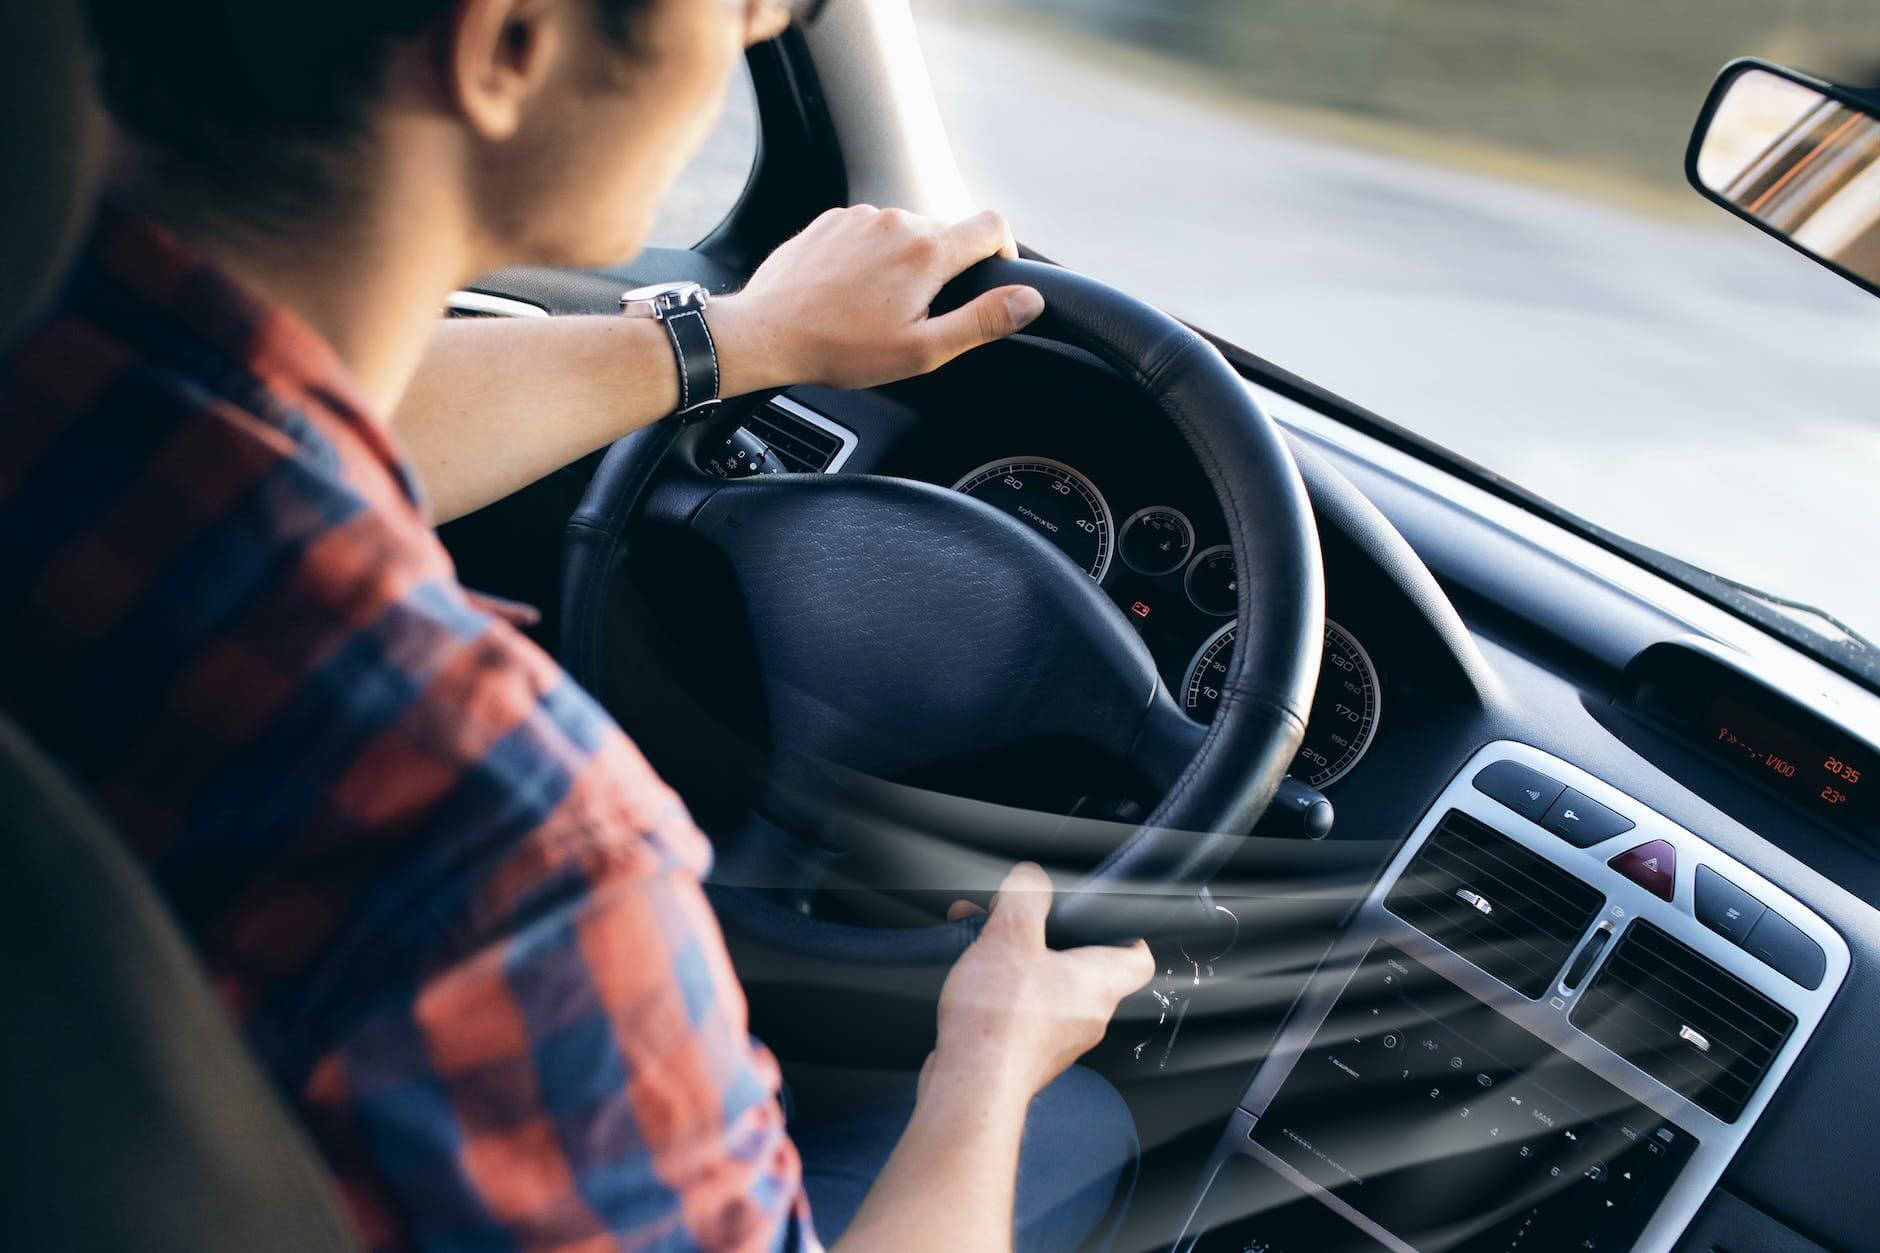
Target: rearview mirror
pixel 1798 157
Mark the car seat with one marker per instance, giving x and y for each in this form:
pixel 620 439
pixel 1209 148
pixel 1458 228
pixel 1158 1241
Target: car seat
pixel 136 1117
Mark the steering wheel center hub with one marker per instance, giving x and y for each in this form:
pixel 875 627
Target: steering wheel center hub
pixel 898 624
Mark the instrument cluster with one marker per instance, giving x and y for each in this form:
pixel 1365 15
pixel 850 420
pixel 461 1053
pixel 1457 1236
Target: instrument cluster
pixel 1180 587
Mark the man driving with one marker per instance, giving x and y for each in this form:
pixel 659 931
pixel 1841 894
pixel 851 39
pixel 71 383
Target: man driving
pixel 457 917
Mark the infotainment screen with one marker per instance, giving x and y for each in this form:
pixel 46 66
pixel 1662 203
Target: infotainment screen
pixel 1447 1126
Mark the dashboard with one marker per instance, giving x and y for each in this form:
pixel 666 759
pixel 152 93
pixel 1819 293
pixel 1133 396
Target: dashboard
pixel 1352 1143
pixel 1466 629
pixel 1482 1067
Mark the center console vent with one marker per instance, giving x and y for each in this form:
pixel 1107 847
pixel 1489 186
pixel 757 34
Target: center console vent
pixel 477 304
pixel 1684 1020
pixel 1503 907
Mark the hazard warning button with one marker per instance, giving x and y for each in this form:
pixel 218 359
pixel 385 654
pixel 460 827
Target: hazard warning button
pixel 1653 866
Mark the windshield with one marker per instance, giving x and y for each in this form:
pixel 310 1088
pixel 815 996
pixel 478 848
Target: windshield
pixel 1469 216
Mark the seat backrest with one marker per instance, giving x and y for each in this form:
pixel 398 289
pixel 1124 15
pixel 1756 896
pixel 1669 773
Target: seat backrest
pixel 51 147
pixel 134 1117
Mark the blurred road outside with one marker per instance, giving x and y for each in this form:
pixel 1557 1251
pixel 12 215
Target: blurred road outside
pixel 1621 347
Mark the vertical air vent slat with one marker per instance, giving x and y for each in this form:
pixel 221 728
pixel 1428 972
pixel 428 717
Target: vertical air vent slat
pixel 1684 1020
pixel 1504 907
pixel 803 447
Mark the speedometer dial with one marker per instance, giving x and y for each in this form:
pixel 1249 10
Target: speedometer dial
pixel 1056 500
pixel 1344 705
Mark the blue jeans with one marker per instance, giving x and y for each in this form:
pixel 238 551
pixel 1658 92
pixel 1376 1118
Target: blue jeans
pixel 1079 1153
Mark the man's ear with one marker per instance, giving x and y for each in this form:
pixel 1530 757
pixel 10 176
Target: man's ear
pixel 500 55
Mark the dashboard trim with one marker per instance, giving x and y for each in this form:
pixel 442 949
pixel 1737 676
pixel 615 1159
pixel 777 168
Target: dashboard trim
pixel 1547 1018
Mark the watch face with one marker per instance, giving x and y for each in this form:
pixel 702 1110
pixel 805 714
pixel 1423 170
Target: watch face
pixel 655 290
pixel 663 298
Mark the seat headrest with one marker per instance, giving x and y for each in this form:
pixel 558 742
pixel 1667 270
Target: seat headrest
pixel 52 140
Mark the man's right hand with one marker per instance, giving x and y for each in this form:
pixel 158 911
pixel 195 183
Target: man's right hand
pixel 1014 1012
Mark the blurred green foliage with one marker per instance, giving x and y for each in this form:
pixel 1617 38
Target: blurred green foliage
pixel 1614 83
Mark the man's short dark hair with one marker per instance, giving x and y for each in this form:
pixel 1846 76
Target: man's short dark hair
pixel 249 96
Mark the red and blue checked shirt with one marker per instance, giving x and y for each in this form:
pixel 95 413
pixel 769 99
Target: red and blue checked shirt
pixel 455 913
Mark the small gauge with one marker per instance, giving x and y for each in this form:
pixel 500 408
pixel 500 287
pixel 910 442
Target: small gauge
pixel 1157 540
pixel 1213 583
pixel 1057 500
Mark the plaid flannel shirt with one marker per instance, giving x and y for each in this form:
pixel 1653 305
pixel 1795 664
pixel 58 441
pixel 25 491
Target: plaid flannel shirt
pixel 454 912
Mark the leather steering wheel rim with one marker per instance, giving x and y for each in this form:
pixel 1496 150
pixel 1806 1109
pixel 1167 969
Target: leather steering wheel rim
pixel 1266 694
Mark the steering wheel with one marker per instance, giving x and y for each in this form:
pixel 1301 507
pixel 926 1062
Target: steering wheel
pixel 896 623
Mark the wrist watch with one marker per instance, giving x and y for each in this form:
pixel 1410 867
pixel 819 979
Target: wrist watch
pixel 680 308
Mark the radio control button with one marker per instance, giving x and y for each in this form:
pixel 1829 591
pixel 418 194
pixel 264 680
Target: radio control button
pixel 1527 792
pixel 1582 821
pixel 1724 907
pixel 1780 943
pixel 1652 865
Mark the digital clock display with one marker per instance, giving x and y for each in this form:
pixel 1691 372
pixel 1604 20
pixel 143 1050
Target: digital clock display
pixel 1832 779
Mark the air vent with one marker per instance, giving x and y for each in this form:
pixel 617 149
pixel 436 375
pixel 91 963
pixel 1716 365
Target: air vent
pixel 806 442
pixel 1684 1020
pixel 1507 909
pixel 476 304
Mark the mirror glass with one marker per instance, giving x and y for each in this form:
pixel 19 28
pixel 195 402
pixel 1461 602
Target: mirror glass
pixel 1799 162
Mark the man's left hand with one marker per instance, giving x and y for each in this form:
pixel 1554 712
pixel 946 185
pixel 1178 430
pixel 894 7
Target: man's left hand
pixel 845 303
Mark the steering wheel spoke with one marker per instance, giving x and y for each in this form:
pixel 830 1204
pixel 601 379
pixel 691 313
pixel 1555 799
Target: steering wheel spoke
pixel 1167 743
pixel 676 499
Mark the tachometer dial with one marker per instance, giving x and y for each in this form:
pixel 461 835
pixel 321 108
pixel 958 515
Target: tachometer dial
pixel 1344 706
pixel 1059 501
pixel 1157 540
pixel 1213 581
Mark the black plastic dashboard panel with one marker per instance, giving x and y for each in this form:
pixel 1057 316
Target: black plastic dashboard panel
pixel 1761 737
pixel 1518 1147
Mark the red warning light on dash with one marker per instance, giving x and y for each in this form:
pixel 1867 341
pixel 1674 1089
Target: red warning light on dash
pixel 1140 609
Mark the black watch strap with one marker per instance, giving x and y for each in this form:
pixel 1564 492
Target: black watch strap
pixel 697 356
